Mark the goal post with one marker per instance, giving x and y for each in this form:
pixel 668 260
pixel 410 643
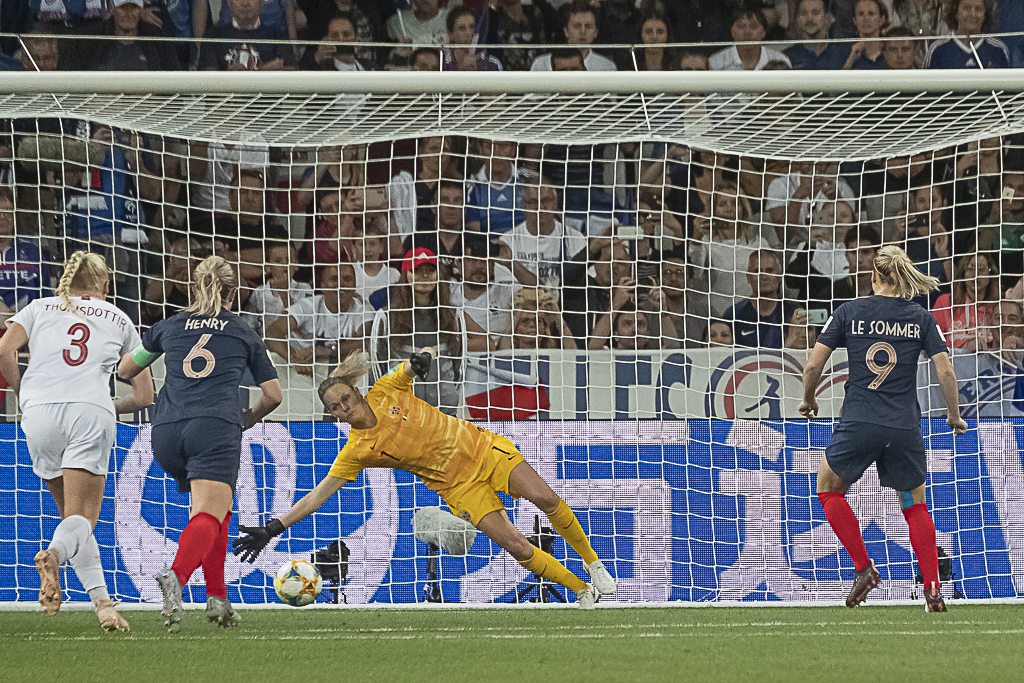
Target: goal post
pixel 593 235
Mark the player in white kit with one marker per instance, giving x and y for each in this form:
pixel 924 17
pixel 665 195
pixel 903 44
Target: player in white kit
pixel 75 340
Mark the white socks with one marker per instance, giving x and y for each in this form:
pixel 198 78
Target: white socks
pixel 73 541
pixel 69 537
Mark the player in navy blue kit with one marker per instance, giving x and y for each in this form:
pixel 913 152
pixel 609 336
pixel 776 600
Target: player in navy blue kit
pixel 884 336
pixel 198 423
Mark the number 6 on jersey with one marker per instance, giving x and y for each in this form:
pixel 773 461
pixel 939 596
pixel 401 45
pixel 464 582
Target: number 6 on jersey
pixel 198 351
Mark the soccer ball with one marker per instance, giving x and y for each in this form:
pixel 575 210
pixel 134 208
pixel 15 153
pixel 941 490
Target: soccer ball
pixel 297 583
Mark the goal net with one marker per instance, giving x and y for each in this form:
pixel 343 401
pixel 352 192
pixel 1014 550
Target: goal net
pixel 622 272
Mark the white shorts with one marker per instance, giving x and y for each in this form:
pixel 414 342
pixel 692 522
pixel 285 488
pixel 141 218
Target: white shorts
pixel 68 435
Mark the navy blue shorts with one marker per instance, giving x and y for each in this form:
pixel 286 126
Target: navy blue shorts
pixel 900 455
pixel 200 448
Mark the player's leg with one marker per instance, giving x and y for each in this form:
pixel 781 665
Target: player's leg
pixel 46 440
pixel 218 609
pixel 922 537
pixel 499 528
pixel 524 482
pixel 832 494
pixel 211 502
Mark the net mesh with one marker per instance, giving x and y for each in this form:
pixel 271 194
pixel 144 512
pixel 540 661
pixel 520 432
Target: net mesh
pixel 590 252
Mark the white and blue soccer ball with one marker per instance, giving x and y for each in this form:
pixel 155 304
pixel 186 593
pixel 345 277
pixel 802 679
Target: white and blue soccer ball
pixel 297 583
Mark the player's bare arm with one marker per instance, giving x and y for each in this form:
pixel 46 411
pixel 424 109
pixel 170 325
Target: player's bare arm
pixel 812 376
pixel 10 343
pixel 950 392
pixel 142 394
pixel 270 399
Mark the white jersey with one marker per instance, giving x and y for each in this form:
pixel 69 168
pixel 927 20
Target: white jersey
pixel 71 357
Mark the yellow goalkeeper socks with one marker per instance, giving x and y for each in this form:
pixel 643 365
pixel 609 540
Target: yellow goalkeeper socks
pixel 542 564
pixel 568 527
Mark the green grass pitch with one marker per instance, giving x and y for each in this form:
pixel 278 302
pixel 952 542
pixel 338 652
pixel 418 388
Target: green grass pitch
pixel 520 645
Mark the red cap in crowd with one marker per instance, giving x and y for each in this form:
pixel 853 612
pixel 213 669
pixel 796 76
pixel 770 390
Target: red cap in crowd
pixel 417 257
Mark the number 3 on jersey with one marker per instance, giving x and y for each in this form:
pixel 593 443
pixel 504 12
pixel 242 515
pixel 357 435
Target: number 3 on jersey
pixel 81 331
pixel 198 352
pixel 882 371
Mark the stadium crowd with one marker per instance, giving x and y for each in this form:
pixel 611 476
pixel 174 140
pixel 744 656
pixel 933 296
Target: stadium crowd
pixel 478 245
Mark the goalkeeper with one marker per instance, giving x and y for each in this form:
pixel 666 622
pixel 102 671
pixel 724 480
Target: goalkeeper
pixel 463 463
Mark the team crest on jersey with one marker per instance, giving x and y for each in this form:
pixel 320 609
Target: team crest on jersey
pixel 394 411
pixel 465 515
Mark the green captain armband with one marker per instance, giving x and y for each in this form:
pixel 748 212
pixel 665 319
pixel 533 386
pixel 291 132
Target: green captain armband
pixel 142 357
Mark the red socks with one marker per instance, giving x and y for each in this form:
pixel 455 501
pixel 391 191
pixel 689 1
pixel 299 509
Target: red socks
pixel 922 537
pixel 213 563
pixel 840 516
pixel 194 544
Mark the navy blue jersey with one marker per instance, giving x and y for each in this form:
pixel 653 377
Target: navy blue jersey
pixel 884 337
pixel 205 358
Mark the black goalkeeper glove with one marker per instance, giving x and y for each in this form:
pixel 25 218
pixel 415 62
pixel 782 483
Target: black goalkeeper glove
pixel 420 363
pixel 256 539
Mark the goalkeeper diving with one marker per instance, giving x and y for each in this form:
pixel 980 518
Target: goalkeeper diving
pixel 464 464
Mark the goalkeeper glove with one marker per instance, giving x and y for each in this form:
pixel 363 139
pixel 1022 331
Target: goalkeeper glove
pixel 256 539
pixel 420 363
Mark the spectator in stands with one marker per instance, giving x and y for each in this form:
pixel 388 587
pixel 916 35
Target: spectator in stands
pixel 968 18
pixel 369 250
pixel 763 319
pixel 885 188
pixel 748 29
pixel 693 61
pixel 242 49
pixel 460 53
pixel 800 335
pixel 862 246
pixel 1011 331
pixel 812 23
pixel 335 224
pixel 790 199
pixel 630 330
pixel 921 17
pixel 365 17
pixel 426 59
pixel 22 273
pixel 522 24
pixel 128 54
pixel 567 59
pixel 493 190
pixel 322 327
pixel 45 54
pixel 541 247
pixel 654 34
pixel 820 262
pixel 696 21
pixel 965 316
pixel 334 168
pixel 279 290
pixel 871 17
pixel 619 22
pixel 580 29
pixel 167 295
pixel 484 296
pixel 449 214
pixel 424 24
pixel 250 225
pixel 421 314
pixel 412 199
pixel 537 322
pixel 610 286
pixel 927 239
pixel 680 324
pixel 719 334
pixel 1005 232
pixel 720 251
pixel 329 57
pixel 901 54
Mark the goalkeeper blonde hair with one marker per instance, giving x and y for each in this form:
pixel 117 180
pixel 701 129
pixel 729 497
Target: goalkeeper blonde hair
pixel 348 372
pixel 83 272
pixel 895 268
pixel 213 283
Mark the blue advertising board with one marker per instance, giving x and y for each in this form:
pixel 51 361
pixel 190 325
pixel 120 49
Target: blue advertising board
pixel 693 510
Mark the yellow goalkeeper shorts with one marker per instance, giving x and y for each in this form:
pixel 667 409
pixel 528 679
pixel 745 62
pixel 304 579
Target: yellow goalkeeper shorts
pixel 475 499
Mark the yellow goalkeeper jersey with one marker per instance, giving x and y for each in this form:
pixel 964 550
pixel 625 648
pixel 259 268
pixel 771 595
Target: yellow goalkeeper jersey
pixel 414 436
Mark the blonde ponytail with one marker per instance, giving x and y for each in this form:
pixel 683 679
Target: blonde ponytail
pixel 212 283
pixel 895 268
pixel 83 272
pixel 348 372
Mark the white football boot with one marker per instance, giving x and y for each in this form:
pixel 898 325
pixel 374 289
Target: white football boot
pixel 600 578
pixel 587 597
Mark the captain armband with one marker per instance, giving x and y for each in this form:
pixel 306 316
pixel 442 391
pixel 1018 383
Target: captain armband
pixel 142 357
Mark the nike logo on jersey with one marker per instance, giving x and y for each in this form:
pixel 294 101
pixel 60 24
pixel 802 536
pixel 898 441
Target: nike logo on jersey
pixel 747 333
pixel 201 323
